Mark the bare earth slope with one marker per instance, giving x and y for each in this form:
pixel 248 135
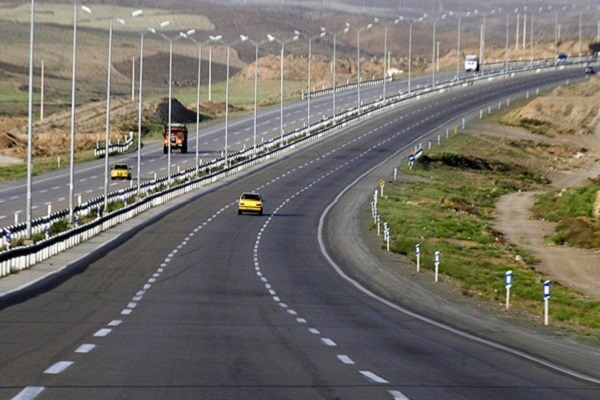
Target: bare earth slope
pixel 573 113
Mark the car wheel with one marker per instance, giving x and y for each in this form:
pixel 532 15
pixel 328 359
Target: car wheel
pixel 239 212
pixel 165 150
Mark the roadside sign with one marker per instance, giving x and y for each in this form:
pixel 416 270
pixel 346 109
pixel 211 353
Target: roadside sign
pixel 546 290
pixel 509 278
pixel 437 257
pixel 412 158
pixel 418 249
pixel 382 183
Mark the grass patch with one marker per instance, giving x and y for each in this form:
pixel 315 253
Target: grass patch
pixel 16 171
pixel 573 209
pixel 448 206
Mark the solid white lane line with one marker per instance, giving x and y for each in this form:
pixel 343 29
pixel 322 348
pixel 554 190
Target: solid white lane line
pixel 58 367
pixel 373 377
pixel 103 332
pixel 397 395
pixel 328 342
pixel 85 348
pixel 29 393
pixel 345 359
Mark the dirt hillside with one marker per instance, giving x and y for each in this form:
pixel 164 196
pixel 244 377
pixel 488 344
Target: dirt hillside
pixel 51 136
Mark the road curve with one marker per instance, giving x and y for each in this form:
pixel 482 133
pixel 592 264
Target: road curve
pixel 208 304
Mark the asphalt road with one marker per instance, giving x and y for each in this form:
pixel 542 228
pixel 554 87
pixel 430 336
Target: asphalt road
pixel 207 304
pixel 51 189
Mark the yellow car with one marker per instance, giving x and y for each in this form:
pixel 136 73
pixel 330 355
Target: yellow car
pixel 251 202
pixel 120 171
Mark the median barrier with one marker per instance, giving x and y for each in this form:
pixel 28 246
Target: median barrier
pixel 16 259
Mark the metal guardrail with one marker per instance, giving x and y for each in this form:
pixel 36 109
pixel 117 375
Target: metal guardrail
pixel 17 259
pixel 341 88
pixel 114 148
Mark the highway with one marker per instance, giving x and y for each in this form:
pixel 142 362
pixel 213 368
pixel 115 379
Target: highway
pixel 52 188
pixel 205 304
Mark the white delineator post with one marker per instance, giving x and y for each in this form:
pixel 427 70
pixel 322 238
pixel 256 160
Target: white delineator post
pixel 546 300
pixel 418 254
pixel 508 279
pixel 437 264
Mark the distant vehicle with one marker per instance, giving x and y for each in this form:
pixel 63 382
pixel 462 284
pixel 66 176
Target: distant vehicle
pixel 471 63
pixel 561 58
pixel 179 138
pixel 589 70
pixel 251 202
pixel 120 171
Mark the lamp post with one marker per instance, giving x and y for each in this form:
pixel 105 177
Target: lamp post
pixel 410 30
pixel 272 38
pixel 309 80
pixel 140 92
pixel 256 46
pixel 30 118
pixel 358 31
pixel 433 48
pixel 385 52
pixel 171 40
pixel 198 43
pixel 109 68
pixel 333 75
pixel 482 37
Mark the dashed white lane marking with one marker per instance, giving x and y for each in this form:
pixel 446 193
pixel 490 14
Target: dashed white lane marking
pixel 301 320
pixel 373 377
pixel 345 359
pixel 103 332
pixel 29 393
pixel 56 188
pixel 397 395
pixel 85 348
pixel 328 342
pixel 58 367
pixel 314 331
pixel 126 311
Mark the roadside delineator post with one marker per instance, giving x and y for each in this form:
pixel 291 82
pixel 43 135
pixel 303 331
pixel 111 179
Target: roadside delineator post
pixel 378 225
pixel 508 283
pixel 437 265
pixel 546 301
pixel 418 254
pixel 382 185
pixel 395 173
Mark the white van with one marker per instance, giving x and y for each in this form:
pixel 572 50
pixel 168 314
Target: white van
pixel 471 63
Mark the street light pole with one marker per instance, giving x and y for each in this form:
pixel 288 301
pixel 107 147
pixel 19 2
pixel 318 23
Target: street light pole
pixel 309 80
pixel 358 31
pixel 108 80
pixel 30 118
pixel 333 75
pixel 73 105
pixel 385 52
pixel 171 40
pixel 272 38
pixel 198 81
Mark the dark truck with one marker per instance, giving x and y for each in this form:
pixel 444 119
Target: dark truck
pixel 179 138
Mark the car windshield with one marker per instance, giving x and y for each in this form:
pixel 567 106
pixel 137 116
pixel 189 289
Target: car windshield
pixel 120 166
pixel 251 196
